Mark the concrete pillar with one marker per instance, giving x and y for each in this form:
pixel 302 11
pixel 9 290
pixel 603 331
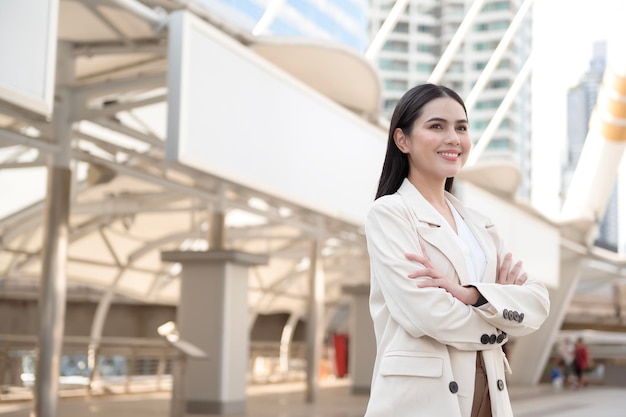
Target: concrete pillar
pixel 53 285
pixel 315 323
pixel 213 315
pixel 531 353
pixel 362 342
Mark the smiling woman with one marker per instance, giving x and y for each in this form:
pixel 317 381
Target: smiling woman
pixel 445 293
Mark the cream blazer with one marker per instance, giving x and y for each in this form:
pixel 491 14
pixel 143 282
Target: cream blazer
pixel 426 339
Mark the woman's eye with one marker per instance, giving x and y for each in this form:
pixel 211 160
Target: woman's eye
pixel 462 128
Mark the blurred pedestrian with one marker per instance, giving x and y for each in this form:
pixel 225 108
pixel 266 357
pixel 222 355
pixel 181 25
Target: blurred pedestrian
pixel 565 354
pixel 582 361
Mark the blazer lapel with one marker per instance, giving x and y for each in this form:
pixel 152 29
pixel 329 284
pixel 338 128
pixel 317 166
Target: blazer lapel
pixel 428 224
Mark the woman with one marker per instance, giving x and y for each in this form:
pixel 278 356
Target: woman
pixel 445 294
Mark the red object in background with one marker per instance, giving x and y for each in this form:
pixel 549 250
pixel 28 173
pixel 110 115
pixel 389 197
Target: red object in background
pixel 341 354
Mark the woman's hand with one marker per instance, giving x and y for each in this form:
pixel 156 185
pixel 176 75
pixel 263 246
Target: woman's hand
pixel 467 295
pixel 507 275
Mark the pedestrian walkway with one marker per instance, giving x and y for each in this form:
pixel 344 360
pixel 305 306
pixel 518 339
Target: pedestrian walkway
pixel 335 400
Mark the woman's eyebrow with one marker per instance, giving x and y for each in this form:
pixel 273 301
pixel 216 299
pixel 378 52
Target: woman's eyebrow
pixel 441 119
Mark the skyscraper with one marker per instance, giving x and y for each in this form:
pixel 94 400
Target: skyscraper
pixel 419 39
pixel 581 100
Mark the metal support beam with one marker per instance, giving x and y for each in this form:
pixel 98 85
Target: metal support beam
pixel 498 116
pixel 268 17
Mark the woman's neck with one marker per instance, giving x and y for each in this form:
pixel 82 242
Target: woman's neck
pixel 434 193
pixel 432 190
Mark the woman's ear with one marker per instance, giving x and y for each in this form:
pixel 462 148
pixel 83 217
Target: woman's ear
pixel 401 140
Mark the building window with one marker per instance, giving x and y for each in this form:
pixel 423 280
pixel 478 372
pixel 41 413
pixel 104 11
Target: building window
pixel 390 104
pixel 479 65
pixel 497 5
pixel 394 64
pixel 491 26
pixel 480 124
pixel 399 46
pixel 401 27
pixel 499 143
pixel 430 49
pixel 424 67
pixel 489 104
pixel 498 84
pixel 425 29
pixel 396 85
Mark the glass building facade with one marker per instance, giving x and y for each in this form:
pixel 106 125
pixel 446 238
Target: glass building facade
pixel 342 21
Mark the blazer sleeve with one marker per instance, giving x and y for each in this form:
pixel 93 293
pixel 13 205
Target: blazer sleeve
pixel 516 309
pixel 419 311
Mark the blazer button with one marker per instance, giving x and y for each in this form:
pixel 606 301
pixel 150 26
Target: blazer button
pixel 505 314
pixel 500 338
pixel 484 339
pixel 454 387
pixel 515 316
pixel 500 384
pixel 521 317
pixel 492 339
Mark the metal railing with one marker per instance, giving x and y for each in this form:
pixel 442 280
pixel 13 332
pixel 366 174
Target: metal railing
pixel 122 365
pixel 127 366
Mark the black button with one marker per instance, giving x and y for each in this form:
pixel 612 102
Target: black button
pixel 516 316
pixel 492 339
pixel 500 384
pixel 521 317
pixel 500 338
pixel 484 339
pixel 454 387
pixel 505 314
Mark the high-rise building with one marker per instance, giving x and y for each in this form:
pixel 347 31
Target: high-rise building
pixel 581 100
pixel 342 21
pixel 419 39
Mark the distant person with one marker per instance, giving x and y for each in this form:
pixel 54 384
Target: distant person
pixel 445 293
pixel 581 362
pixel 565 353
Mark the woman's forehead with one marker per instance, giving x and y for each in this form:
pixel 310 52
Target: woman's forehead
pixel 443 108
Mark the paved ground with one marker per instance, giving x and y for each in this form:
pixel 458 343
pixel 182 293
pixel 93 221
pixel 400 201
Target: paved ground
pixel 335 400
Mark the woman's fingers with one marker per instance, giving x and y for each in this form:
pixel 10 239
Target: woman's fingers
pixel 510 274
pixel 513 274
pixel 505 266
pixel 421 273
pixel 521 279
pixel 415 257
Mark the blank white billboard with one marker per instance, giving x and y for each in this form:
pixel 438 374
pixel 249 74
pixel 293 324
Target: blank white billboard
pixel 235 115
pixel 28 39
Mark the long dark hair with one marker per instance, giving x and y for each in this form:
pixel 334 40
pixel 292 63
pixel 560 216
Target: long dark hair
pixel 408 109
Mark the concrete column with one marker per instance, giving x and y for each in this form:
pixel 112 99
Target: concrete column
pixel 362 342
pixel 213 315
pixel 530 353
pixel 52 292
pixel 315 322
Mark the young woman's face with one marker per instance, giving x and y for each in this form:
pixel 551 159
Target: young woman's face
pixel 439 143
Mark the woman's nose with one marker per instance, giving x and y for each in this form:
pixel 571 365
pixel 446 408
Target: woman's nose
pixel 452 138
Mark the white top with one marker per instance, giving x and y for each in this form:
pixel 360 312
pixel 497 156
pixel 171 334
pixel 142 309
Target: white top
pixel 474 254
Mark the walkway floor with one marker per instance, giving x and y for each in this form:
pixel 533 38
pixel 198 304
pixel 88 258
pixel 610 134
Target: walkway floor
pixel 335 401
